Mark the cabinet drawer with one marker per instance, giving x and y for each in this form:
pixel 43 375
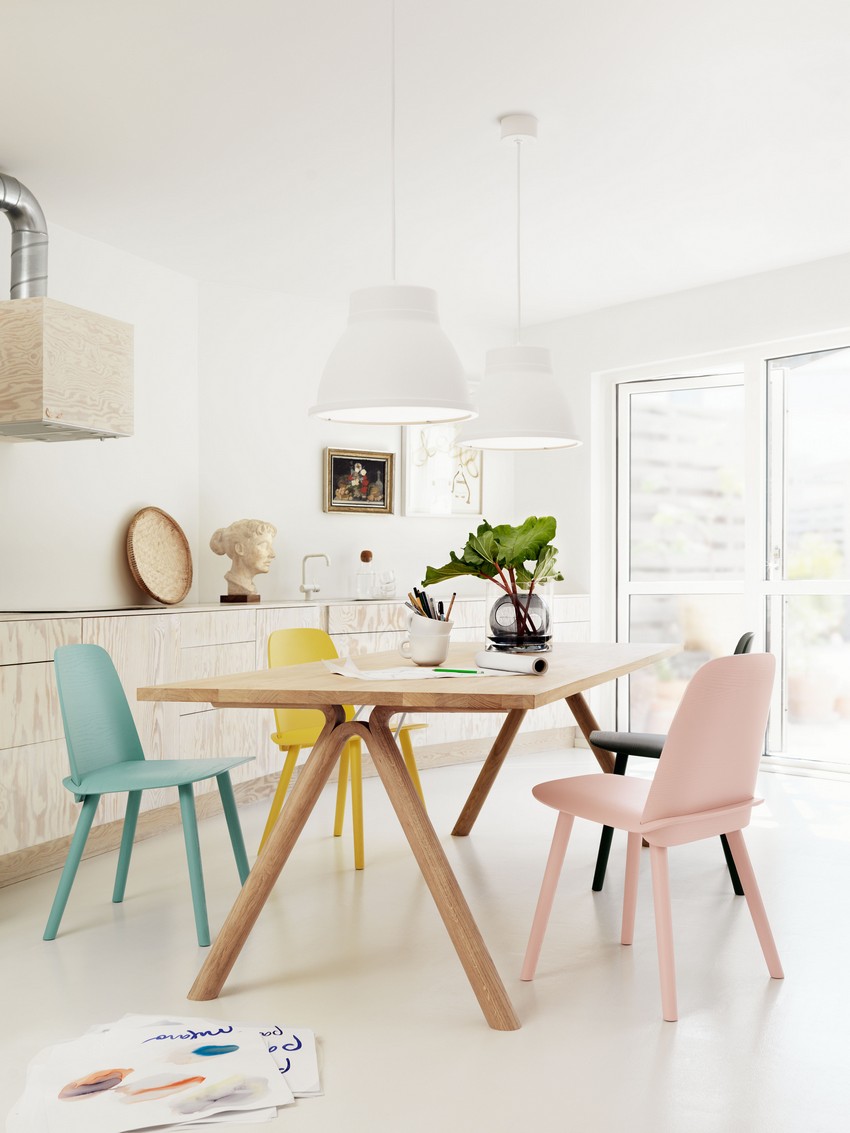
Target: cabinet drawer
pixel 24 642
pixel 29 705
pixel 293 617
pixel 217 627
pixel 366 617
pixel 230 733
pixel 355 644
pixel 572 608
pixel 213 661
pixel 467 613
pixel 36 807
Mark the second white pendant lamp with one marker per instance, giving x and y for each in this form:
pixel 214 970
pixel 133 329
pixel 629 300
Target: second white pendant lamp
pixel 520 405
pixel 394 364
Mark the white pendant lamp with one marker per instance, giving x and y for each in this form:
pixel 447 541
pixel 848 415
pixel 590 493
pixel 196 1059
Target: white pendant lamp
pixel 520 405
pixel 393 365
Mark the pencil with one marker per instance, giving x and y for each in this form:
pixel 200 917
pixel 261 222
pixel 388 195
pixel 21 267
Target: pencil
pixel 449 611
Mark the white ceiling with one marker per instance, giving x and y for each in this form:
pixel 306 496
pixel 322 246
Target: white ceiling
pixel 681 141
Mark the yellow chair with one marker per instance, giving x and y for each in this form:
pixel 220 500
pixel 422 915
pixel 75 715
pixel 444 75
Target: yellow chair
pixel 300 727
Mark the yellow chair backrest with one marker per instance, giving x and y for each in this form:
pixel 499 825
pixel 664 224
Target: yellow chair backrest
pixel 300 726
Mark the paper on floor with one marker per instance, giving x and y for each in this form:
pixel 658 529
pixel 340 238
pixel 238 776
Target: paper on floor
pixel 150 1072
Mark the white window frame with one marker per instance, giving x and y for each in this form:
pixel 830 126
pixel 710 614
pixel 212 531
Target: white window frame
pixel 764 593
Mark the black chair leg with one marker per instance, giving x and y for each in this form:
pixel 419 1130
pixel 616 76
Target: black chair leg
pixel 602 858
pixel 730 864
pixel 620 763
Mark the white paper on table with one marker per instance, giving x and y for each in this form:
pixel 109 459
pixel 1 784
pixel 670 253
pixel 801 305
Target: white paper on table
pixel 349 669
pixel 237 1081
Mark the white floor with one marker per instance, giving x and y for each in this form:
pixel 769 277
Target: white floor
pixel 364 960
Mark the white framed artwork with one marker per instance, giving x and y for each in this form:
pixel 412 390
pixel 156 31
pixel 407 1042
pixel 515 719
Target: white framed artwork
pixel 440 478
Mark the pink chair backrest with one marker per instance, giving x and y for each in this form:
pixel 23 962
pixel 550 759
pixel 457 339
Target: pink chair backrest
pixel 711 755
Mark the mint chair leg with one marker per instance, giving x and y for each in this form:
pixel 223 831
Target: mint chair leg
pixel 193 858
pixel 228 802
pixel 134 799
pixel 69 871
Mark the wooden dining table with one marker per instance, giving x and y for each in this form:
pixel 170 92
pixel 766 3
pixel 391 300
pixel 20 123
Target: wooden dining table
pixel 572 670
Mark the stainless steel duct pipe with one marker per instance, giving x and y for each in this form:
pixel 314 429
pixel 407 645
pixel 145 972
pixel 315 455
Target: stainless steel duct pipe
pixel 29 238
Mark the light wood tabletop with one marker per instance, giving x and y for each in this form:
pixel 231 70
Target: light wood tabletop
pixel 573 669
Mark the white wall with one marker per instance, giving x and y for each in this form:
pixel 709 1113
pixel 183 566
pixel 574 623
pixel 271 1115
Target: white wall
pixel 222 386
pixel 668 330
pixel 262 456
pixel 65 507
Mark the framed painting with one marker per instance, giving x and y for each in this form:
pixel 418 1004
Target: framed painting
pixel 440 476
pixel 356 480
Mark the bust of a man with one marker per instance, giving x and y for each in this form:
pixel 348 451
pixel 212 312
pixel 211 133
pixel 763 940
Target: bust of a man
pixel 248 543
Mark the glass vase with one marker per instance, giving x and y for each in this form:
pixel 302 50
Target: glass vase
pixel 521 622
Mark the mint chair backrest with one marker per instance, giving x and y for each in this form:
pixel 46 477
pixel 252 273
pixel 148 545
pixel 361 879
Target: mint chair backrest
pixel 99 727
pixel 711 755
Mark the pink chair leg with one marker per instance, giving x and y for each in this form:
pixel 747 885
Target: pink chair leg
pixel 738 847
pixel 563 827
pixel 664 931
pixel 627 934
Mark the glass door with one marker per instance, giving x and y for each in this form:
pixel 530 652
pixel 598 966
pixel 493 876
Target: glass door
pixel 808 561
pixel 681 532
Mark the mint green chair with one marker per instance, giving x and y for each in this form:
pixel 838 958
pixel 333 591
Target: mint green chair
pixel 106 757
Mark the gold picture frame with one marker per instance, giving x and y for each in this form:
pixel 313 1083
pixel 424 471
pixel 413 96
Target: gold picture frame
pixel 357 480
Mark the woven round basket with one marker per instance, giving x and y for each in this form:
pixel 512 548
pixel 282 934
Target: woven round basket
pixel 159 556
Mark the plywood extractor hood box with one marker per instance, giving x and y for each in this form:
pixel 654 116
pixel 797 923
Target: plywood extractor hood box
pixel 65 373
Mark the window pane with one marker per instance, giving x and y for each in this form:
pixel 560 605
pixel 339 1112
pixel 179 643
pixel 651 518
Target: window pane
pixel 708 625
pixel 817 665
pixel 817 464
pixel 686 484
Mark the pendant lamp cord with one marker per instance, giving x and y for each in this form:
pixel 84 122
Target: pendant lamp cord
pixel 518 245
pixel 392 143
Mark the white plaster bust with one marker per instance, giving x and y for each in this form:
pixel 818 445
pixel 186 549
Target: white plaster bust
pixel 248 543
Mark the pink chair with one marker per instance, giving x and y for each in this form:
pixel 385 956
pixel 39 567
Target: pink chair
pixel 703 787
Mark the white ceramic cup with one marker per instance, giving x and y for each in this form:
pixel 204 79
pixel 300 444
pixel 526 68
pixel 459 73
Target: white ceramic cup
pixel 427 641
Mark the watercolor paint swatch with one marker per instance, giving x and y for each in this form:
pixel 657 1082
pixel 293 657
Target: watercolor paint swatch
pixel 148 1072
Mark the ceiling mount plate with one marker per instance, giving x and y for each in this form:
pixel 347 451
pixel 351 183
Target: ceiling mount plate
pixel 519 128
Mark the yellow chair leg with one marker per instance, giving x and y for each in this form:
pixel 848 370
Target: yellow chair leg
pixel 410 761
pixel 280 793
pixel 357 802
pixel 341 788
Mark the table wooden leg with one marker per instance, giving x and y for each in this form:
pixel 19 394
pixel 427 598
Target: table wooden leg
pixel 254 893
pixel 489 771
pixel 451 904
pixel 587 722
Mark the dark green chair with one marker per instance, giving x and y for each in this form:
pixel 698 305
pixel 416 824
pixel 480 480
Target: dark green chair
pixel 648 745
pixel 106 757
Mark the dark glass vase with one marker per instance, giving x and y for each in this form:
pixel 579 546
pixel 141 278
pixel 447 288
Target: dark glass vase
pixel 520 623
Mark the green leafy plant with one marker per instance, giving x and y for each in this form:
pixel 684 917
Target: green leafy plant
pixel 516 559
